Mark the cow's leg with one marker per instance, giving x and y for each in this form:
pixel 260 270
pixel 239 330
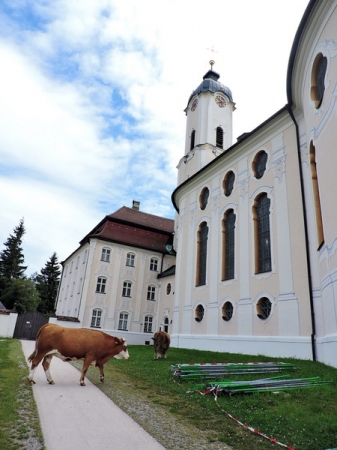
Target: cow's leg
pixel 101 371
pixel 86 364
pixel 46 364
pixel 35 359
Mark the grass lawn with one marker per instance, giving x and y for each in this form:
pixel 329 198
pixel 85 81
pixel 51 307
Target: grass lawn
pixel 19 422
pixel 305 419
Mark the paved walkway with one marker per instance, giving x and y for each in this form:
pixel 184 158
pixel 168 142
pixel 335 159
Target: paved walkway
pixel 75 417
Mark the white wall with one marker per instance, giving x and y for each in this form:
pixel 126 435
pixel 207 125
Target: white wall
pixel 7 324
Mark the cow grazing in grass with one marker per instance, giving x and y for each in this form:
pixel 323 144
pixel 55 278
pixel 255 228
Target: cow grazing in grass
pixel 161 343
pixel 92 346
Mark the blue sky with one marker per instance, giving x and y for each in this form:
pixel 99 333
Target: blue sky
pixel 92 95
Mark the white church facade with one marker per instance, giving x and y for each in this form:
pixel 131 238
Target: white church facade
pixel 253 263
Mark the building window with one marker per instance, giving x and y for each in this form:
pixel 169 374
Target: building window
pixel 105 256
pixel 123 321
pixel 203 199
pixel 96 318
pixel 148 322
pixel 168 289
pixel 199 313
pixel 315 186
pixel 228 242
pixel 154 264
pixel 127 289
pixel 101 285
pixel 263 308
pixel 317 79
pixel 227 311
pixel 228 183
pixel 130 260
pixel 262 234
pixel 192 143
pixel 166 324
pixel 151 293
pixel 202 254
pixel 259 164
pixel 219 137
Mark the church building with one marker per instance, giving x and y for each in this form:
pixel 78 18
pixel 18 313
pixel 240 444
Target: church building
pixel 252 264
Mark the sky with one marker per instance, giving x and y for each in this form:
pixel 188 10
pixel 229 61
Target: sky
pixel 92 99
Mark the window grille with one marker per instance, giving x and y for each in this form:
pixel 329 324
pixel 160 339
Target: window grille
pixel 199 313
pixel 263 308
pixel 227 311
pixel 219 137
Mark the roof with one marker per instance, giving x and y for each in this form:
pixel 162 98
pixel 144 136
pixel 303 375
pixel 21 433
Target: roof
pixel 210 83
pixel 170 271
pixel 134 228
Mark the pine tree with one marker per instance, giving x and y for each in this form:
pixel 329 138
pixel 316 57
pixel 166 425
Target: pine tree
pixel 12 259
pixel 47 283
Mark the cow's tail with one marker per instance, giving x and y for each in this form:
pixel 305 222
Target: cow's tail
pixel 35 351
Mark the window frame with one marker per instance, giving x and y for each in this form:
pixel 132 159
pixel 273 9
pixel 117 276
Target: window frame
pixel 151 292
pixel 96 319
pixel 228 245
pixel 101 285
pixel 148 324
pixel 127 289
pixel 261 214
pixel 202 238
pixel 130 259
pixel 154 263
pixel 123 321
pixel 105 254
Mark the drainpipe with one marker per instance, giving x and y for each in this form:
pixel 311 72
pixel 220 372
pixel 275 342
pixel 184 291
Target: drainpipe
pixel 312 308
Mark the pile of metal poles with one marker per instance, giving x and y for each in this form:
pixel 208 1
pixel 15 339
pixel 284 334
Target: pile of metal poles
pixel 216 370
pixel 274 384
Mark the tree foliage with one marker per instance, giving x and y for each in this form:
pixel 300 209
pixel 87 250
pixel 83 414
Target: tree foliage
pixel 21 295
pixel 11 258
pixel 47 283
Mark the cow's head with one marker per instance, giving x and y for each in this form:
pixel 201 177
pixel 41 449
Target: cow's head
pixel 122 349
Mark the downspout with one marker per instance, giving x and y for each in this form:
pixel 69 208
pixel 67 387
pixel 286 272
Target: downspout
pixel 312 308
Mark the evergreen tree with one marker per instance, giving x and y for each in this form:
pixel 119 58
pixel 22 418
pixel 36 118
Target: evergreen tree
pixel 12 259
pixel 11 264
pixel 47 283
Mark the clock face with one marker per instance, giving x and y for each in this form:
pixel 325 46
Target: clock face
pixel 220 101
pixel 194 104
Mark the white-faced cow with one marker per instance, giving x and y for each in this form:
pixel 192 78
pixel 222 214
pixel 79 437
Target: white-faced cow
pixel 161 343
pixel 92 346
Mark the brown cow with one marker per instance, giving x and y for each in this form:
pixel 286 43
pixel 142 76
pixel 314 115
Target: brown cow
pixel 161 343
pixel 92 346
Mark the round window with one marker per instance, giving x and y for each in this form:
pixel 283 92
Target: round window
pixel 199 313
pixel 227 311
pixel 168 288
pixel 263 308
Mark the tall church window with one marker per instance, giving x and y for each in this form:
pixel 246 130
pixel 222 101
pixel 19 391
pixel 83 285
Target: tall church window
pixel 123 321
pixel 219 137
pixel 202 254
pixel 262 234
pixel 315 186
pixel 192 143
pixel 228 230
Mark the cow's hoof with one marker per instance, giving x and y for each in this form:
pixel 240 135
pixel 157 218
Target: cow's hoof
pixel 31 382
pixel 51 382
pixel 82 383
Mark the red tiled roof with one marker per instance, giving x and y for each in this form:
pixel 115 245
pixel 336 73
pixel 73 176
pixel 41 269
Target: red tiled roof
pixel 144 219
pixel 132 236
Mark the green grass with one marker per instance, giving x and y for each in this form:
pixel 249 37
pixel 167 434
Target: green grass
pixel 19 422
pixel 305 419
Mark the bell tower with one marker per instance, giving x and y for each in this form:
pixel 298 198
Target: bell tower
pixel 209 124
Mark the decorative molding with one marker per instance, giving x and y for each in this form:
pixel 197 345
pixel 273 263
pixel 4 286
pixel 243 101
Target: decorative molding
pixel 243 187
pixel 279 167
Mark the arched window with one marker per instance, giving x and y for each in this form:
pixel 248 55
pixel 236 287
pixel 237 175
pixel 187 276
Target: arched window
pixel 123 321
pixel 105 256
pixel 130 259
pixel 166 324
pixel 151 293
pixel 199 313
pixel 168 288
pixel 263 308
pixel 96 318
pixel 203 199
pixel 228 242
pixel 148 322
pixel 101 285
pixel 202 254
pixel 227 311
pixel 192 143
pixel 127 289
pixel 259 164
pixel 219 137
pixel 262 234
pixel 315 186
pixel 228 183
pixel 317 79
